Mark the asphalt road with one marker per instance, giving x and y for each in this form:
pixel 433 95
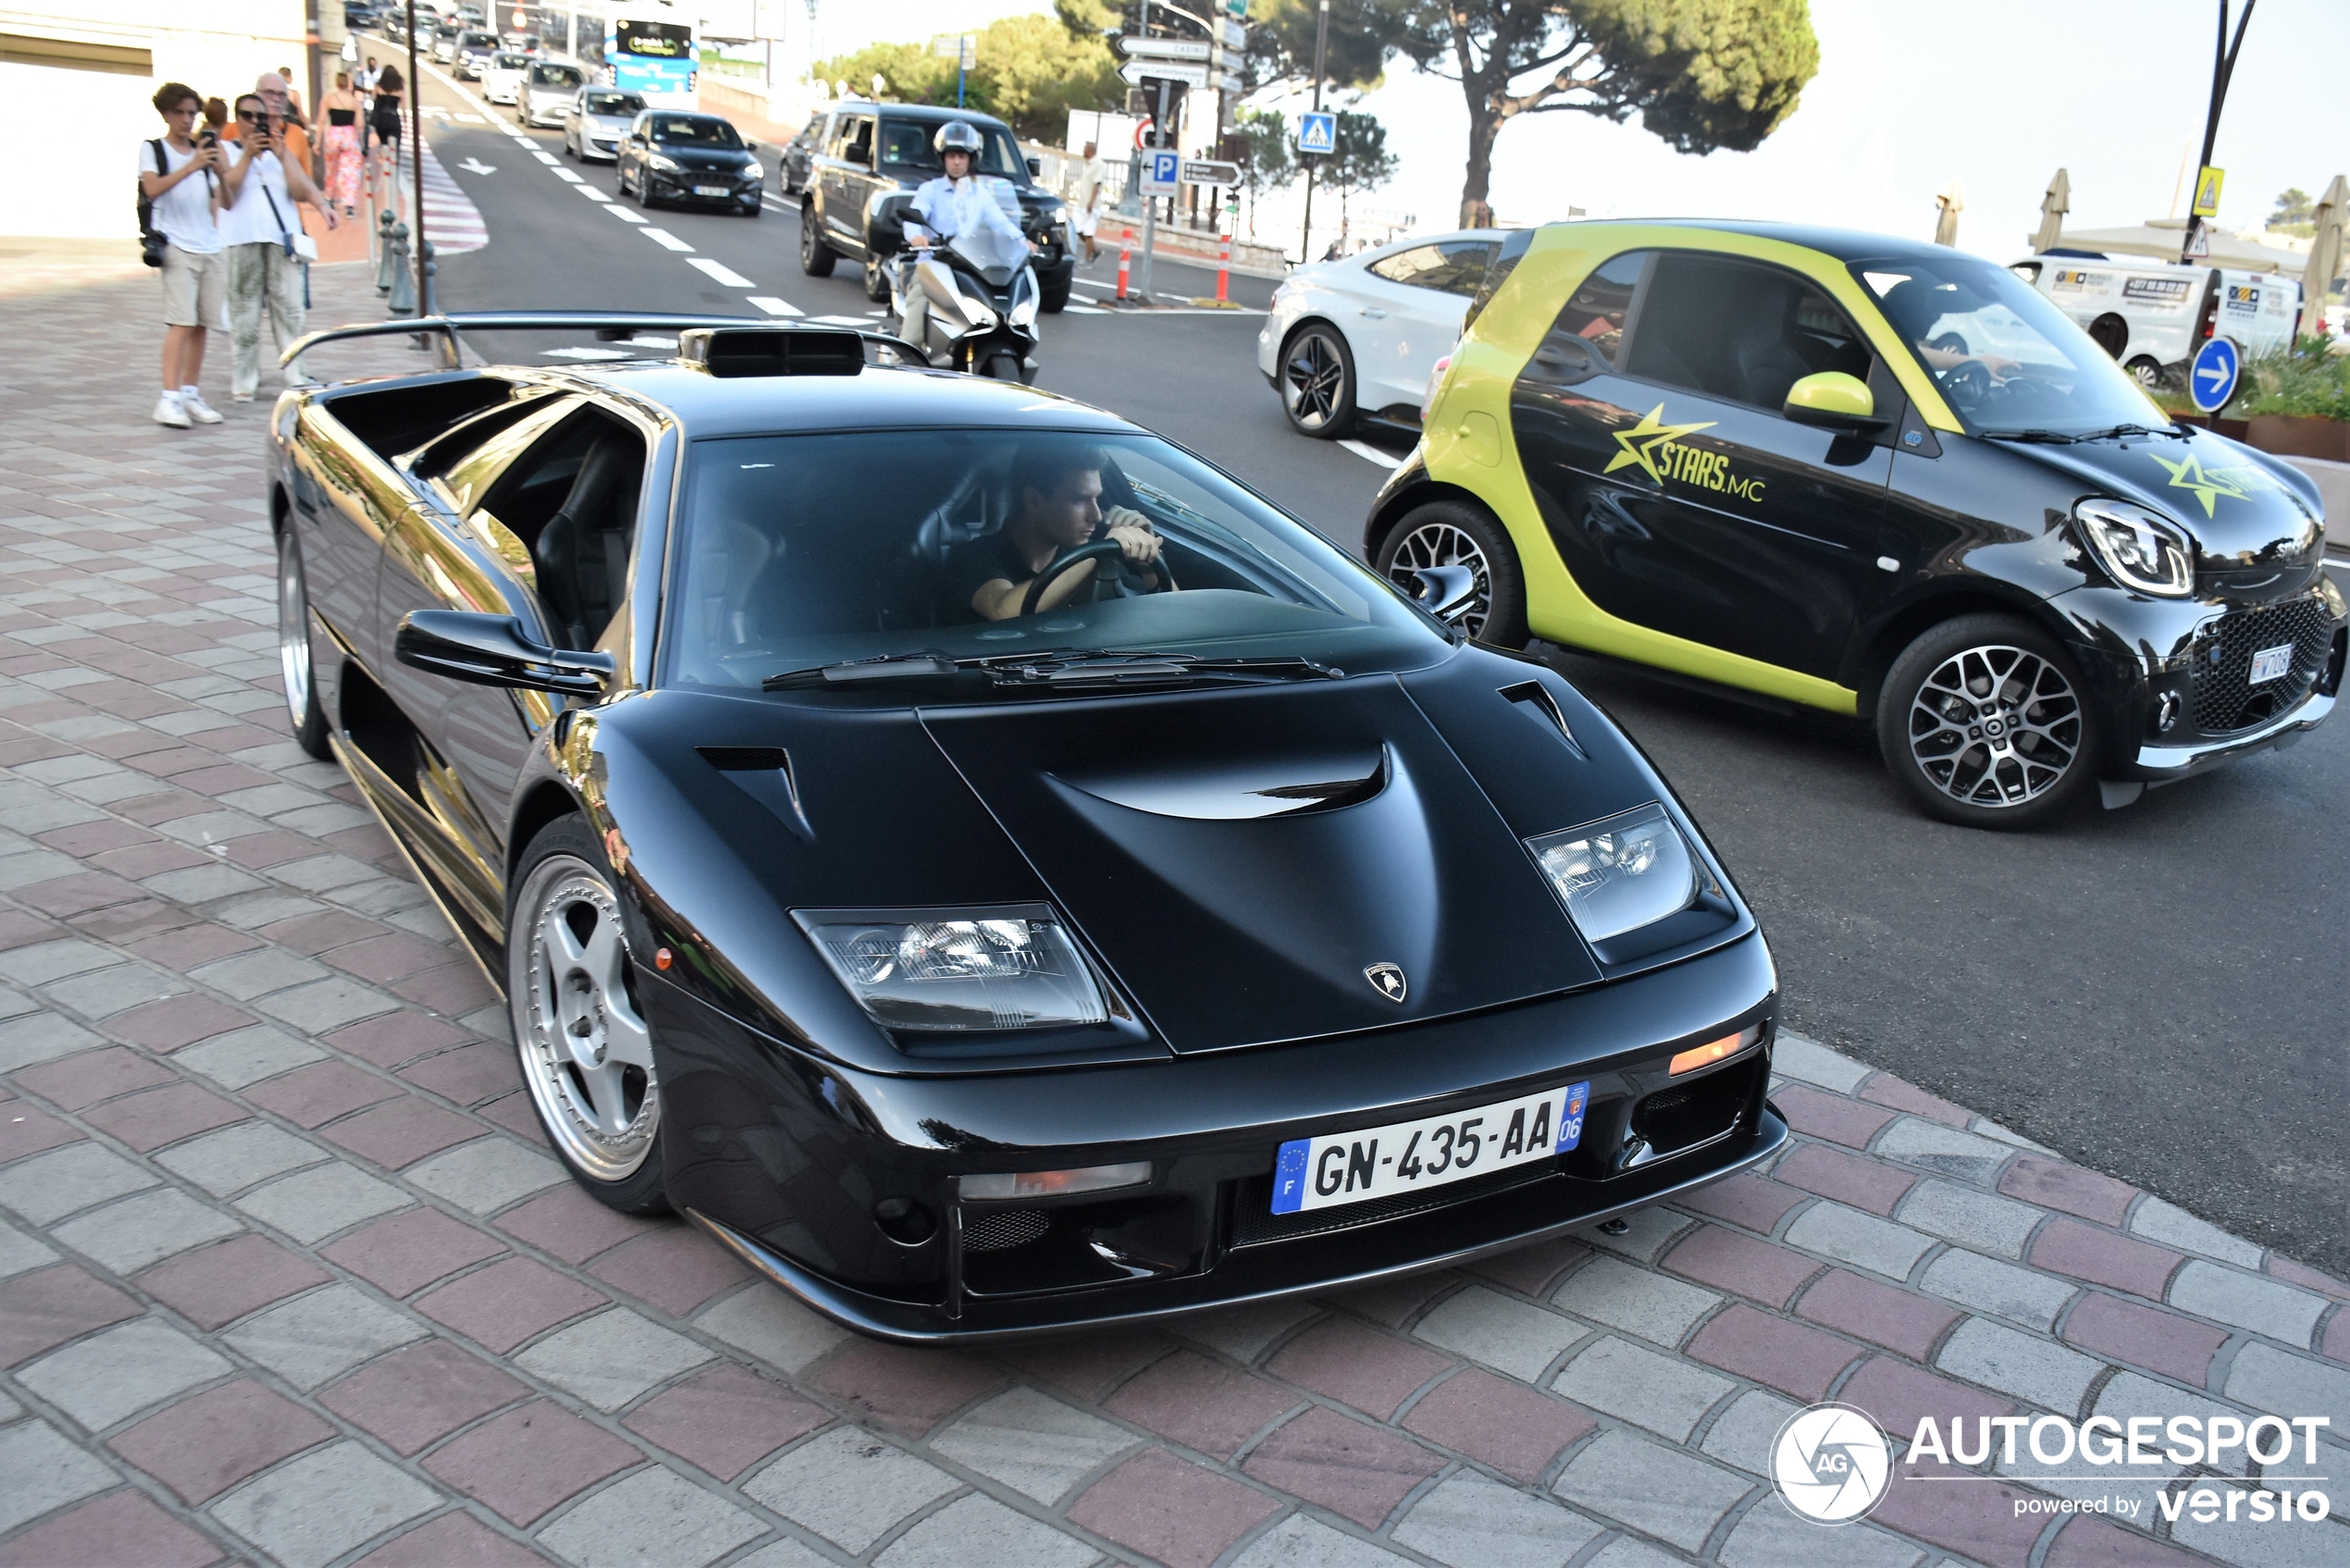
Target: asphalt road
pixel 2160 992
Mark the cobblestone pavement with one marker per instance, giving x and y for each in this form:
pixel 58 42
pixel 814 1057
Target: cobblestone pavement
pixel 288 1276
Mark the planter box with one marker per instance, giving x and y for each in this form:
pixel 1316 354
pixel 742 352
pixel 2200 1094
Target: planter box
pixel 2287 436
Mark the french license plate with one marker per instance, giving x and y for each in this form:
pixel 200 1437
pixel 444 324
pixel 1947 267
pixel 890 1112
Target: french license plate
pixel 1379 1162
pixel 712 191
pixel 2271 663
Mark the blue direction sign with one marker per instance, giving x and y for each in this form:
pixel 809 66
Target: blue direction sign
pixel 2212 378
pixel 1318 133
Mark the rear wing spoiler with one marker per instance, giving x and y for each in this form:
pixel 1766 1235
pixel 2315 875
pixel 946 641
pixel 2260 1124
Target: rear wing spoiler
pixel 612 325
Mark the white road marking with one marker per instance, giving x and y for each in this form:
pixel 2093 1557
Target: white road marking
pixel 468 119
pixel 568 177
pixel 586 353
pixel 1073 308
pixel 475 165
pixel 623 213
pixel 545 156
pixel 774 306
pixel 718 272
pixel 664 239
pixel 1089 283
pixel 1372 454
pixel 591 193
pixel 856 321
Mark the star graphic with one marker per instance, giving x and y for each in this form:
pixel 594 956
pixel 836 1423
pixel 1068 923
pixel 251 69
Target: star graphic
pixel 2189 474
pixel 1640 443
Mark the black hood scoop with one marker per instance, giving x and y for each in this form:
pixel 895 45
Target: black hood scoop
pixel 1243 859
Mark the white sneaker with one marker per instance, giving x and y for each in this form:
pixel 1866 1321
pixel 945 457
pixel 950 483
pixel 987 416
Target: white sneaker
pixel 168 411
pixel 192 402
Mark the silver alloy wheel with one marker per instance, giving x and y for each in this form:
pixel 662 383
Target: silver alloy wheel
pixel 1994 727
pixel 1312 380
pixel 293 629
pixel 1441 544
pixel 586 1052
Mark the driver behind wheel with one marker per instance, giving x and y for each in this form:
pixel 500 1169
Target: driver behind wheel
pixel 1057 488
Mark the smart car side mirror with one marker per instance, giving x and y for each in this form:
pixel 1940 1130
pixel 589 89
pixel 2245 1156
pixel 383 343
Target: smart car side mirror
pixel 494 650
pixel 1036 168
pixel 1833 400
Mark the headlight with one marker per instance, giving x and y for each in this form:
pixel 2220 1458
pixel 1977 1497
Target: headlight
pixel 667 165
pixel 1009 967
pixel 1024 310
pixel 2139 548
pixel 754 169
pixel 1620 873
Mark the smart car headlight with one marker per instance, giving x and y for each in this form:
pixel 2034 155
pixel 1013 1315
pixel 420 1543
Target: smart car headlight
pixel 1621 873
pixel 1003 966
pixel 2138 548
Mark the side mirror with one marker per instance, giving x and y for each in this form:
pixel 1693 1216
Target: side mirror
pixel 492 650
pixel 1036 168
pixel 1832 400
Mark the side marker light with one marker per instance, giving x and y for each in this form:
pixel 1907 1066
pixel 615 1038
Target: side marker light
pixel 1715 1051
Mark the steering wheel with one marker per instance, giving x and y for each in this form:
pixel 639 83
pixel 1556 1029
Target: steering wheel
pixel 1967 384
pixel 1093 550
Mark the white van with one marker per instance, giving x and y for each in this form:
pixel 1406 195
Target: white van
pixel 2153 315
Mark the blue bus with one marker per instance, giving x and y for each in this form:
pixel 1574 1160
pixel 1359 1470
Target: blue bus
pixel 655 60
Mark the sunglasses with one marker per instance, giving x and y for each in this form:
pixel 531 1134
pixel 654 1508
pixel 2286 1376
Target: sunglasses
pixel 249 118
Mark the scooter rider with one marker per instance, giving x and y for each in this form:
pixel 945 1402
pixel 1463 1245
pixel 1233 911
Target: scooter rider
pixel 953 203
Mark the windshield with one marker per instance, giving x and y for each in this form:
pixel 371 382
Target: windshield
pixel 990 249
pixel 554 76
pixel 509 62
pixel 692 130
pixel 800 551
pixel 2006 360
pixel 612 103
pixel 905 149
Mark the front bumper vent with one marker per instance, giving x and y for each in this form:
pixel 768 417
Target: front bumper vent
pixel 2225 700
pixel 999 1230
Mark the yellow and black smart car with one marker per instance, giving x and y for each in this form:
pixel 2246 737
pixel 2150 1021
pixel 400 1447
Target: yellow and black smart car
pixel 1873 476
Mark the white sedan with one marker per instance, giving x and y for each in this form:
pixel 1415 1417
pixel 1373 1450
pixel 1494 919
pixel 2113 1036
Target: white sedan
pixel 501 78
pixel 1357 338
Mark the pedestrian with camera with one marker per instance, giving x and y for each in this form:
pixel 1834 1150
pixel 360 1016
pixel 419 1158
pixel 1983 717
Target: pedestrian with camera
pixel 179 181
pixel 262 235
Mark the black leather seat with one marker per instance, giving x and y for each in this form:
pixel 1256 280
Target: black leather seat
pixel 582 553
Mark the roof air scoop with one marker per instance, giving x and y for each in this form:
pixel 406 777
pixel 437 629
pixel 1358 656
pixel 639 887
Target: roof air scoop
pixel 1244 791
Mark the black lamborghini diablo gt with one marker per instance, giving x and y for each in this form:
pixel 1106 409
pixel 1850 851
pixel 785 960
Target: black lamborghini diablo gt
pixel 980 920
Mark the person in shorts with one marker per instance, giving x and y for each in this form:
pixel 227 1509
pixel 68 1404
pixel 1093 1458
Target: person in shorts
pixel 178 173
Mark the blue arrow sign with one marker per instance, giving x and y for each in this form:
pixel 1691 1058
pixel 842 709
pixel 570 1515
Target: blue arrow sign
pixel 2212 378
pixel 1318 133
pixel 1162 172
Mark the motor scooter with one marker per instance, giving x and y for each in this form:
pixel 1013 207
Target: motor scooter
pixel 981 295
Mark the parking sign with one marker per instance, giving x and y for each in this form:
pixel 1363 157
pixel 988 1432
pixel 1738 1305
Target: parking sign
pixel 1318 133
pixel 1162 172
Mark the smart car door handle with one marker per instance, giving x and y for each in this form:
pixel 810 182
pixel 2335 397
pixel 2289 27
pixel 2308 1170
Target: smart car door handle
pixel 1374 313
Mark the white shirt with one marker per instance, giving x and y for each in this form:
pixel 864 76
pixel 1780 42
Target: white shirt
pixel 251 221
pixel 184 214
pixel 950 206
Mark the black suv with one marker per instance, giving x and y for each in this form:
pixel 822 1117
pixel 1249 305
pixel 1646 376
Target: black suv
pixel 866 162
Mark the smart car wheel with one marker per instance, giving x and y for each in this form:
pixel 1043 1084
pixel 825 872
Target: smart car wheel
pixel 293 651
pixel 815 256
pixel 1983 720
pixel 1318 382
pixel 1444 538
pixel 2148 369
pixel 585 1050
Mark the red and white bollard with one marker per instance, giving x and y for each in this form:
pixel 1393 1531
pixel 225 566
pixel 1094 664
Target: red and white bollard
pixel 1223 269
pixel 1125 261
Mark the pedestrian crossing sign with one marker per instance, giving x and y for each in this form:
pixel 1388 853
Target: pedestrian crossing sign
pixel 2206 191
pixel 1318 133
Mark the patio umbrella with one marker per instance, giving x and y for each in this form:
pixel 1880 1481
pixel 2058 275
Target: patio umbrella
pixel 2325 256
pixel 2053 206
pixel 1952 201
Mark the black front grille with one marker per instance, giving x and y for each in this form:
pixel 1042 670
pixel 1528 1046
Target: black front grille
pixel 2225 698
pixel 1254 1222
pixel 1686 1114
pixel 998 1231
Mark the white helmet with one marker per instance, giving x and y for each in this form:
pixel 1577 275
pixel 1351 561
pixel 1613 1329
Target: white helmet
pixel 957 136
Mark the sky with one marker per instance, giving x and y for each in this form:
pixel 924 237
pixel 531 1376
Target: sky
pixel 1910 95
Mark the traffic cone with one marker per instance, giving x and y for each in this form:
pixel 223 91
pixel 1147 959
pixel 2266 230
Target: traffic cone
pixel 1125 262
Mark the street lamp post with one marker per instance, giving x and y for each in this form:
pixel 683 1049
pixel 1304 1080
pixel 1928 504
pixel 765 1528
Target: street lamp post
pixel 416 161
pixel 2223 68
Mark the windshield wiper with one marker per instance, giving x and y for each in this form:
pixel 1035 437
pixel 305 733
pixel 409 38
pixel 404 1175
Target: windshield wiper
pixel 2064 438
pixel 1138 666
pixel 888 667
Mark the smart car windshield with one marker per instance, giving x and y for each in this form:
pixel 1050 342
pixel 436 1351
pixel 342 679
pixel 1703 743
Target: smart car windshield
pixel 905 150
pixel 803 551
pixel 2007 362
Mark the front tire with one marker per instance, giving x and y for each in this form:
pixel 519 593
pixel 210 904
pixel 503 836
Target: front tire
pixel 1002 367
pixel 303 711
pixel 1451 533
pixel 876 281
pixel 816 258
pixel 585 1050
pixel 1318 382
pixel 1986 721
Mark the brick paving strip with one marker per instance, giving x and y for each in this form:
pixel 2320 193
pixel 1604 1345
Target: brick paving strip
pixel 288 1276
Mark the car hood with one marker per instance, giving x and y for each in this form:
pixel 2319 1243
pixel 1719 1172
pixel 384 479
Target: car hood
pixel 704 157
pixel 617 125
pixel 1241 859
pixel 2243 509
pixel 1234 859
